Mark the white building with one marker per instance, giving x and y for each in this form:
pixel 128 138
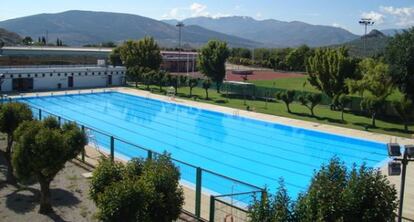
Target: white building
pixel 38 78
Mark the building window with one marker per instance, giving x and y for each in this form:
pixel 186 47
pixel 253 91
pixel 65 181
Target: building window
pixel 94 73
pixel 11 76
pixel 73 74
pixel 58 74
pixel 111 72
pixel 36 75
pixel 43 75
pixel 20 75
pixel 66 74
pixel 51 74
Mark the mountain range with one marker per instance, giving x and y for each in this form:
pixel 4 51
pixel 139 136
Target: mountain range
pixel 270 31
pixel 77 28
pixel 9 38
pixel 374 43
pixel 85 27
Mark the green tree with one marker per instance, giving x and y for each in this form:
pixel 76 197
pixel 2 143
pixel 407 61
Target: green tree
pixel 11 116
pixel 341 102
pixel 241 53
pixel 336 194
pixel 147 77
pixel 369 196
pixel 139 57
pixel 206 86
pixel 115 57
pixel 310 100
pixel 404 109
pixel 173 81
pixel 105 174
pixel 287 97
pixel 399 54
pixel 27 40
pixel 296 59
pixel 193 82
pixel 160 78
pixel 138 191
pixel 42 149
pixel 164 177
pixel 374 86
pixel 324 200
pixel 182 80
pixel 212 61
pixel 372 105
pixel 282 204
pixel 134 74
pixel 276 208
pixel 261 211
pixel 328 69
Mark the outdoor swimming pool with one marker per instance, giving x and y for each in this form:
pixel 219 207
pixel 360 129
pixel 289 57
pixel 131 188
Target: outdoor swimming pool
pixel 253 151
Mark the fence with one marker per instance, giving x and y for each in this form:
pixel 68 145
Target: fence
pixel 208 195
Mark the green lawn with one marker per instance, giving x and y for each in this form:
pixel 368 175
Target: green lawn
pixel 323 113
pixel 301 83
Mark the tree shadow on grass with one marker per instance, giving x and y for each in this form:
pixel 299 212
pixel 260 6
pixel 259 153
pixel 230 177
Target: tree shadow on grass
pixel 220 101
pixel 327 119
pixel 366 126
pixel 398 130
pixel 26 199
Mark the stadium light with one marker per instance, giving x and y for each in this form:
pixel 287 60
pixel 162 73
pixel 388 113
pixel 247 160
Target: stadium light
pixel 366 22
pixel 394 149
pixel 398 166
pixel 180 26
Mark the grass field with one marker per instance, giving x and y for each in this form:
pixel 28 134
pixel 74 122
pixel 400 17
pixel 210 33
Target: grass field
pixel 301 83
pixel 323 113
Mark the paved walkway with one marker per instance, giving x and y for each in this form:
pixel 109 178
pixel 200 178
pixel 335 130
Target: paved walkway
pixel 409 194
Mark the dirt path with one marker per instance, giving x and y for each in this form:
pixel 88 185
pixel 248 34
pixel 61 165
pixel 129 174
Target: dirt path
pixel 69 198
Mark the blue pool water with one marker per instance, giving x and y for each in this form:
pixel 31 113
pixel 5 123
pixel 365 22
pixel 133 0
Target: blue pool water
pixel 249 150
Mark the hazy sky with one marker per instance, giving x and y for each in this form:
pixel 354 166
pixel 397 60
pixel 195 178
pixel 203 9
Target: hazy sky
pixel 342 13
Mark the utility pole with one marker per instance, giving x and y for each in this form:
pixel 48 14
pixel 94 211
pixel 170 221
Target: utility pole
pixel 366 22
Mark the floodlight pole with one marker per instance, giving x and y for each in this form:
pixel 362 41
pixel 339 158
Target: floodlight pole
pixel 180 25
pixel 366 22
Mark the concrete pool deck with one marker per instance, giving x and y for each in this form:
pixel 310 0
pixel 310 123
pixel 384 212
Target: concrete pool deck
pixel 364 135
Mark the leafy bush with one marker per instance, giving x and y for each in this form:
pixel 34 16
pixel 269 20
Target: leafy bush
pixel 334 194
pixel 138 191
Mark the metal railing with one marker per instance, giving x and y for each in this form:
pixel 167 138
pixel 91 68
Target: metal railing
pixel 204 190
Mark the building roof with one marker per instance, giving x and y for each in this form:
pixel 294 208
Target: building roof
pixel 78 49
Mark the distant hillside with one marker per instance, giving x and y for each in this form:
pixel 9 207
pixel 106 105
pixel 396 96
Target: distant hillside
pixel 376 42
pixel 391 32
pixel 85 27
pixel 270 31
pixel 9 38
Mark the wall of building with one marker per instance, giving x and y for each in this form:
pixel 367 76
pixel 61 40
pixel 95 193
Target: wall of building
pixel 51 78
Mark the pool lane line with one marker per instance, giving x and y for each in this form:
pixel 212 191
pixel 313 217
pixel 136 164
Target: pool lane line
pixel 218 162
